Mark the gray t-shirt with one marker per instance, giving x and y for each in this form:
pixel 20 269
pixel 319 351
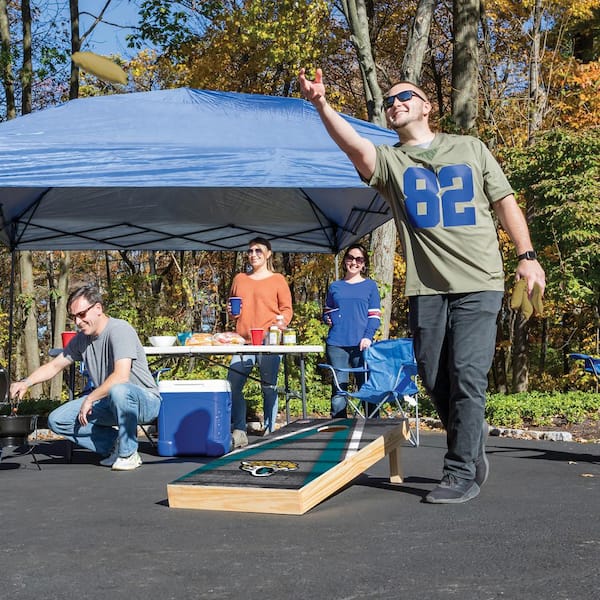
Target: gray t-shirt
pixel 441 199
pixel 118 340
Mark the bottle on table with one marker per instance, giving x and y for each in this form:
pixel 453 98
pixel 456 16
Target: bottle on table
pixel 289 336
pixel 274 335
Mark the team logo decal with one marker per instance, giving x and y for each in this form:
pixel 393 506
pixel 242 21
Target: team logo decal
pixel 266 468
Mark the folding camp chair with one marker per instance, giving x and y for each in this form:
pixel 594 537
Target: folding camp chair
pixel 391 373
pixel 590 365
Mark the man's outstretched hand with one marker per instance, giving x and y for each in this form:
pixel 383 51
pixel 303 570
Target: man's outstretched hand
pixel 312 90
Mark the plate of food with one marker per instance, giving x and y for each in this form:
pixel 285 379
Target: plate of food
pixel 228 338
pixel 199 339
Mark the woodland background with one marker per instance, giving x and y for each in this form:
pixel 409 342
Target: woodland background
pixel 524 76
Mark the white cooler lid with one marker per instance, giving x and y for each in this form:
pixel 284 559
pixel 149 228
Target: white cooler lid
pixel 182 386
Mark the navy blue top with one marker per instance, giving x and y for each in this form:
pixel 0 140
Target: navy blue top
pixel 354 310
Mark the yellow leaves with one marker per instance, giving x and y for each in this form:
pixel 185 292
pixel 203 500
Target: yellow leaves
pixel 578 9
pixel 259 45
pixel 576 104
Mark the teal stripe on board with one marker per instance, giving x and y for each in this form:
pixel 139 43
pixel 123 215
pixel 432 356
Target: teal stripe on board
pixel 330 456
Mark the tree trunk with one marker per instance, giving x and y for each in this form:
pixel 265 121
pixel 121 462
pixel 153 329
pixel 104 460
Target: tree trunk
pixel 383 251
pixel 30 329
pixel 416 48
pixel 60 315
pixel 6 62
pixel 520 365
pixel 355 12
pixel 488 76
pixel 537 97
pixel 75 47
pixel 465 64
pixel 27 71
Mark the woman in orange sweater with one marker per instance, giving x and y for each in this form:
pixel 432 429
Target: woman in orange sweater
pixel 265 295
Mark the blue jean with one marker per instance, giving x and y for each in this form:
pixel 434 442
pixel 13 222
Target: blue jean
pixel 125 406
pixel 238 373
pixel 345 357
pixel 454 341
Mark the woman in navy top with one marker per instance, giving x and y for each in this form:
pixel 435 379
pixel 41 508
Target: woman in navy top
pixel 353 312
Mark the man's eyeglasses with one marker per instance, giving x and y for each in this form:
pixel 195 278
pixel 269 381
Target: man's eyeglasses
pixel 256 251
pixel 403 96
pixel 82 313
pixel 359 260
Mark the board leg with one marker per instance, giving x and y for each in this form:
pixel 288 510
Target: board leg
pixel 396 474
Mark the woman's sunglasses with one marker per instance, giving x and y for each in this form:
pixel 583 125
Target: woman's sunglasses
pixel 359 260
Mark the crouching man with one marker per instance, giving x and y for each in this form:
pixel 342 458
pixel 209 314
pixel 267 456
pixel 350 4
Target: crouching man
pixel 124 393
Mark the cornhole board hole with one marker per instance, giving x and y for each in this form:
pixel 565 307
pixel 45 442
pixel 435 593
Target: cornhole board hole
pixel 294 468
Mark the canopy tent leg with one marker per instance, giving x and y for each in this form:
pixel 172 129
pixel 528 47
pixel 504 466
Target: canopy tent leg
pixel 11 304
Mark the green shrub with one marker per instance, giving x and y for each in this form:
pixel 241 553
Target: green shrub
pixel 541 408
pixel 42 407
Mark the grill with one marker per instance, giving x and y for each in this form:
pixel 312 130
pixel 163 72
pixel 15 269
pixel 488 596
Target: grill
pixel 14 429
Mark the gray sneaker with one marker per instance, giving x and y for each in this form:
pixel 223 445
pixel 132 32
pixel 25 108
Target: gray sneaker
pixel 239 439
pixel 453 490
pixel 482 465
pixel 109 460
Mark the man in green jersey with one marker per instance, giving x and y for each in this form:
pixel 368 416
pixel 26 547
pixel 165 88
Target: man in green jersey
pixel 442 189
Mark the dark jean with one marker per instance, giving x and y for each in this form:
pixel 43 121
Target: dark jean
pixel 238 373
pixel 454 341
pixel 345 357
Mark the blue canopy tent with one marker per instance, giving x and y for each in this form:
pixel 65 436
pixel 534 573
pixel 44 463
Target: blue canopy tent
pixel 182 169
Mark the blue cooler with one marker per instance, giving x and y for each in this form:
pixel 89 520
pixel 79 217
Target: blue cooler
pixel 194 417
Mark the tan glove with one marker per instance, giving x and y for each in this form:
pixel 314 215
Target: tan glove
pixel 519 300
pixel 537 301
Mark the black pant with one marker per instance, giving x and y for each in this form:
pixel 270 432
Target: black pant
pixel 454 341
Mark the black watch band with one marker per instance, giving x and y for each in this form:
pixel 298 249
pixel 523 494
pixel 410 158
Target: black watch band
pixel 529 255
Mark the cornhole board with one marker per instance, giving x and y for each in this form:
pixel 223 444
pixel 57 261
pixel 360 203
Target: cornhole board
pixel 325 454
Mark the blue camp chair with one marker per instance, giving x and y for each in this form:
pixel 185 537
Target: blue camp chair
pixel 391 372
pixel 590 365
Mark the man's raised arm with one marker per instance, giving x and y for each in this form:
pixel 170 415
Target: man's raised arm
pixel 360 150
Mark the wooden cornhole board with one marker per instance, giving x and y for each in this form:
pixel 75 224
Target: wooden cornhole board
pixel 328 453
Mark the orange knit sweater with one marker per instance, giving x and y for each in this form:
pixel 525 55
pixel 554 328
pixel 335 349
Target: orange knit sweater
pixel 262 301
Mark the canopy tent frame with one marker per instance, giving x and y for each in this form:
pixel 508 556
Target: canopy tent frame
pixel 181 169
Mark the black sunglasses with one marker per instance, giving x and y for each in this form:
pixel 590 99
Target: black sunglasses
pixel 359 260
pixel 403 96
pixel 82 313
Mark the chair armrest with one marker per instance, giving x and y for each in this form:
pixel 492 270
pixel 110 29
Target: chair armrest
pixel 576 356
pixel 156 374
pixel 591 364
pixel 335 379
pixel 345 369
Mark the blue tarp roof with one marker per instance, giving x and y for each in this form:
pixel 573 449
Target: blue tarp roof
pixel 182 169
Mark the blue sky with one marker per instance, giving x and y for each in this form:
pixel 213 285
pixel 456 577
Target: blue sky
pixel 107 39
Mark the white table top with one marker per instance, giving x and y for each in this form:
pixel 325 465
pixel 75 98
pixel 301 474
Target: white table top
pixel 232 349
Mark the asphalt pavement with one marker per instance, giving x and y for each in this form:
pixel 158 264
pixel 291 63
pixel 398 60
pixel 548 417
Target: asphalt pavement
pixel 80 531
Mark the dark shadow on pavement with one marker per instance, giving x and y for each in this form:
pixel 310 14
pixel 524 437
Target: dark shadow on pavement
pixel 546 454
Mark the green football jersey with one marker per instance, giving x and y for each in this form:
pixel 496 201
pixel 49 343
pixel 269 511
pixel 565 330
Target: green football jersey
pixel 441 198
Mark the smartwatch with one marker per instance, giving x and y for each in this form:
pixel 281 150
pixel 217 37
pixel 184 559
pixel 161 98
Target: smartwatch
pixel 529 255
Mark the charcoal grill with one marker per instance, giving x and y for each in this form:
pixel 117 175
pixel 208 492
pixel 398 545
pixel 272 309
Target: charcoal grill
pixel 15 429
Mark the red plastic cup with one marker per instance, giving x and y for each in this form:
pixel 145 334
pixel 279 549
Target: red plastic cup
pixel 67 336
pixel 257 336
